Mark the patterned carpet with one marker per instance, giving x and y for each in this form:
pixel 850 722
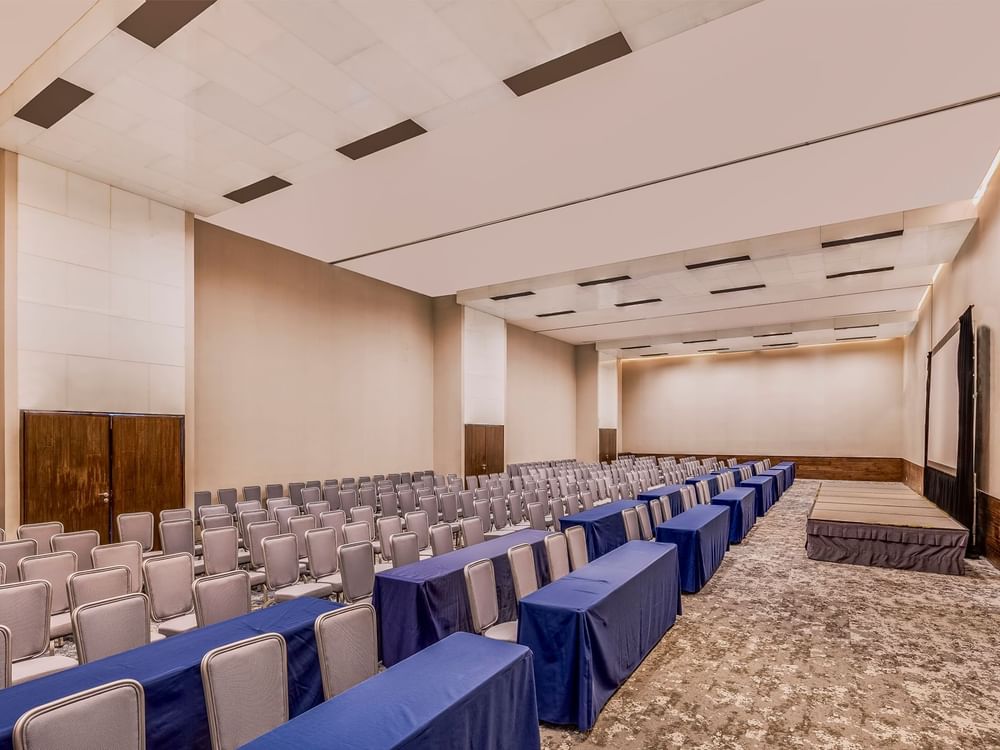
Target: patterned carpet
pixel 779 651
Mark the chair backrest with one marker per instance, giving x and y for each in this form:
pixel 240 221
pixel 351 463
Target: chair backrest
pixel 557 509
pixel 449 507
pixel 522 569
pixel 363 513
pixel 499 508
pixel 516 508
pixel 576 541
pixel 407 500
pixel 558 555
pixel 317 508
pixel 213 510
pixel 115 717
pixel 347 642
pixel 357 570
pixel 536 516
pixel 246 689
pixel 128 554
pixel 333 519
pixel 321 549
pixel 248 517
pixel 587 498
pixel 429 505
pixel 80 542
pixel 217 521
pixel 631 520
pixel 298 526
pixel 168 580
pixel 252 494
pixel 348 498
pixel 24 610
pixel 295 492
pixel 442 539
pixel 573 505
pixel 331 494
pixel 366 496
pixel 219 550
pixel 54 567
pixel 389 503
pixel 387 526
pixel 107 627
pixel 246 505
pixel 311 495
pixel 12 552
pixel 42 533
pixel 281 561
pixel 177 536
pixel 481 587
pixel 228 499
pixel 283 514
pixel 94 584
pixel 273 491
pixel 404 549
pixel 466 501
pixel 273 503
pixel 136 527
pixel 483 512
pixel 356 532
pixel 418 523
pixel 221 597
pixel 645 526
pixel 472 531
pixel 176 514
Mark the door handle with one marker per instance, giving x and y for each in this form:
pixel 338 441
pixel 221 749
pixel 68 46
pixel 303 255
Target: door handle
pixel 105 496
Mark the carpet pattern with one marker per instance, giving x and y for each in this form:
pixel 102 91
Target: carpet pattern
pixel 779 651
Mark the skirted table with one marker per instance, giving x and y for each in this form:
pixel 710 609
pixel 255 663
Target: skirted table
pixel 670 491
pixel 603 525
pixel 712 479
pixel 170 674
pixel 741 502
pixel 702 538
pixel 789 468
pixel 421 603
pixel 766 489
pixel 589 630
pixel 464 691
pixel 781 483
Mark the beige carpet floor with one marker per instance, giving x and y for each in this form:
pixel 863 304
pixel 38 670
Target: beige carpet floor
pixel 779 651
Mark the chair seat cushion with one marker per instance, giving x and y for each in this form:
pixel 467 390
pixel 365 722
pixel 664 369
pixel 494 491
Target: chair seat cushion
pixel 504 631
pixel 177 625
pixel 60 625
pixel 40 666
pixel 257 577
pixel 297 590
pixel 242 557
pixel 334 580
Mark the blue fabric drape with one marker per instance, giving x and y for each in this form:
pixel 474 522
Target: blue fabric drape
pixel 589 630
pixel 422 603
pixel 465 691
pixel 671 491
pixel 764 487
pixel 604 526
pixel 779 479
pixel 170 673
pixel 741 502
pixel 789 468
pixel 702 538
pixel 712 479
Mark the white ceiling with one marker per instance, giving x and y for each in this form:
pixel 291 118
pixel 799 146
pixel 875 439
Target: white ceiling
pixel 29 27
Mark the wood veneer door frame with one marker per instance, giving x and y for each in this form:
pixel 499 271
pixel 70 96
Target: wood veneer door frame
pixel 484 447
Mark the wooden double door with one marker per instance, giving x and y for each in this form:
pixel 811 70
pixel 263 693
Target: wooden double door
pixel 483 449
pixel 84 468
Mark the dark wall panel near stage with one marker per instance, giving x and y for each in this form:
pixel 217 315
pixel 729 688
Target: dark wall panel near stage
pixel 853 468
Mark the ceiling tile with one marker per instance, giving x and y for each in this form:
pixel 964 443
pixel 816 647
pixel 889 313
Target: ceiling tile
pixel 240 25
pixel 102 111
pixel 383 72
pixel 300 147
pixel 220 103
pixel 112 56
pixel 498 33
pixel 576 24
pixel 322 25
pixel 310 116
pixel 161 72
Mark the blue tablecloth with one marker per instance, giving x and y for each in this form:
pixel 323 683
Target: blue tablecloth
pixel 170 673
pixel 765 489
pixel 465 691
pixel 589 630
pixel 779 478
pixel 789 468
pixel 422 603
pixel 712 479
pixel 604 526
pixel 752 465
pixel 742 505
pixel 702 538
pixel 734 470
pixel 671 491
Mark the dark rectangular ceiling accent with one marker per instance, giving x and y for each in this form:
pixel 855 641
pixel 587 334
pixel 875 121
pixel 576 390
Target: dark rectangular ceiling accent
pixel 720 349
pixel 155 21
pixel 738 289
pixel 554 314
pixel 649 301
pixel 53 103
pixel 851 328
pixel 638 346
pixel 860 272
pixel 769 335
pixel 719 262
pixel 608 280
pixel 858 338
pixel 700 341
pixel 512 295
pixel 401 131
pixel 787 343
pixel 862 238
pixel 589 56
pixel 654 354
pixel 257 189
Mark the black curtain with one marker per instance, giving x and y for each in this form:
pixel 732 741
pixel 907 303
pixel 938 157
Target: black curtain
pixel 956 494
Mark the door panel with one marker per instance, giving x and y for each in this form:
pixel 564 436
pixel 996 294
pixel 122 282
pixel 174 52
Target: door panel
pixel 484 452
pixel 65 459
pixel 608 443
pixel 148 463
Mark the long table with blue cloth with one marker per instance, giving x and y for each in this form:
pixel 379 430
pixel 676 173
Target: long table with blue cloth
pixel 741 502
pixel 702 538
pixel 712 479
pixel 766 489
pixel 589 630
pixel 604 526
pixel 789 468
pixel 170 674
pixel 670 491
pixel 780 479
pixel 421 603
pixel 465 691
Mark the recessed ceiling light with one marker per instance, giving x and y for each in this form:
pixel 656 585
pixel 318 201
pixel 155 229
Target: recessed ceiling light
pixel 512 295
pixel 257 189
pixel 639 346
pixel 860 272
pixel 155 21
pixel 776 346
pixel 589 56
pixel 649 301
pixel 858 338
pixel 768 335
pixel 699 341
pixel 654 354
pixel 850 328
pixel 738 289
pixel 862 238
pixel 53 103
pixel 390 136
pixel 720 349
pixel 554 314
pixel 608 280
pixel 719 262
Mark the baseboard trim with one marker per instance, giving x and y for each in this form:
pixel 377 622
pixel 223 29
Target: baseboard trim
pixel 852 468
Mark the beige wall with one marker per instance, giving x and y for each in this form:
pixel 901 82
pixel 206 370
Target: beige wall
pixel 305 371
pixel 843 400
pixel 587 402
pixel 449 442
pixel 541 397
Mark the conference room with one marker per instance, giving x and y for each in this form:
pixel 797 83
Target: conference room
pixel 499 374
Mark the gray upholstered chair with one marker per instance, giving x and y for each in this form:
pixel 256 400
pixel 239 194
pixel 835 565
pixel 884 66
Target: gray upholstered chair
pixel 536 516
pixel 257 532
pixel 295 492
pixel 665 510
pixel 499 507
pixel 169 579
pixel 481 587
pixel 252 494
pixel 24 611
pixel 407 500
pixel 221 597
pixel 298 526
pixel 656 511
pixel 109 716
pixel 247 517
pixel 448 502
pixel 516 510
pixel 418 523
pixel 273 491
pixel 364 513
pixel 557 509
pixel 273 503
pixel 80 542
pixel 137 527
pixel 467 503
pixel 483 508
pixel 631 520
pixel 109 626
pixel 429 505
pixel 522 570
pixel 311 495
pixel 177 514
pixel 472 531
pixel 357 570
pixel 228 498
pixel 128 554
pixel 442 539
pixel 94 584
pixel 217 521
pixel 645 526
pixel 281 567
pixel 219 550
pixel 404 549
pixel 12 552
pixel 282 516
pixel 56 568
pixel 42 533
pixel 316 509
pixel 557 552
pixel 246 689
pixel 321 551
pixel 576 541
pixel 333 519
pixel 348 498
pixel 347 642
pixel 386 527
pixel 357 531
